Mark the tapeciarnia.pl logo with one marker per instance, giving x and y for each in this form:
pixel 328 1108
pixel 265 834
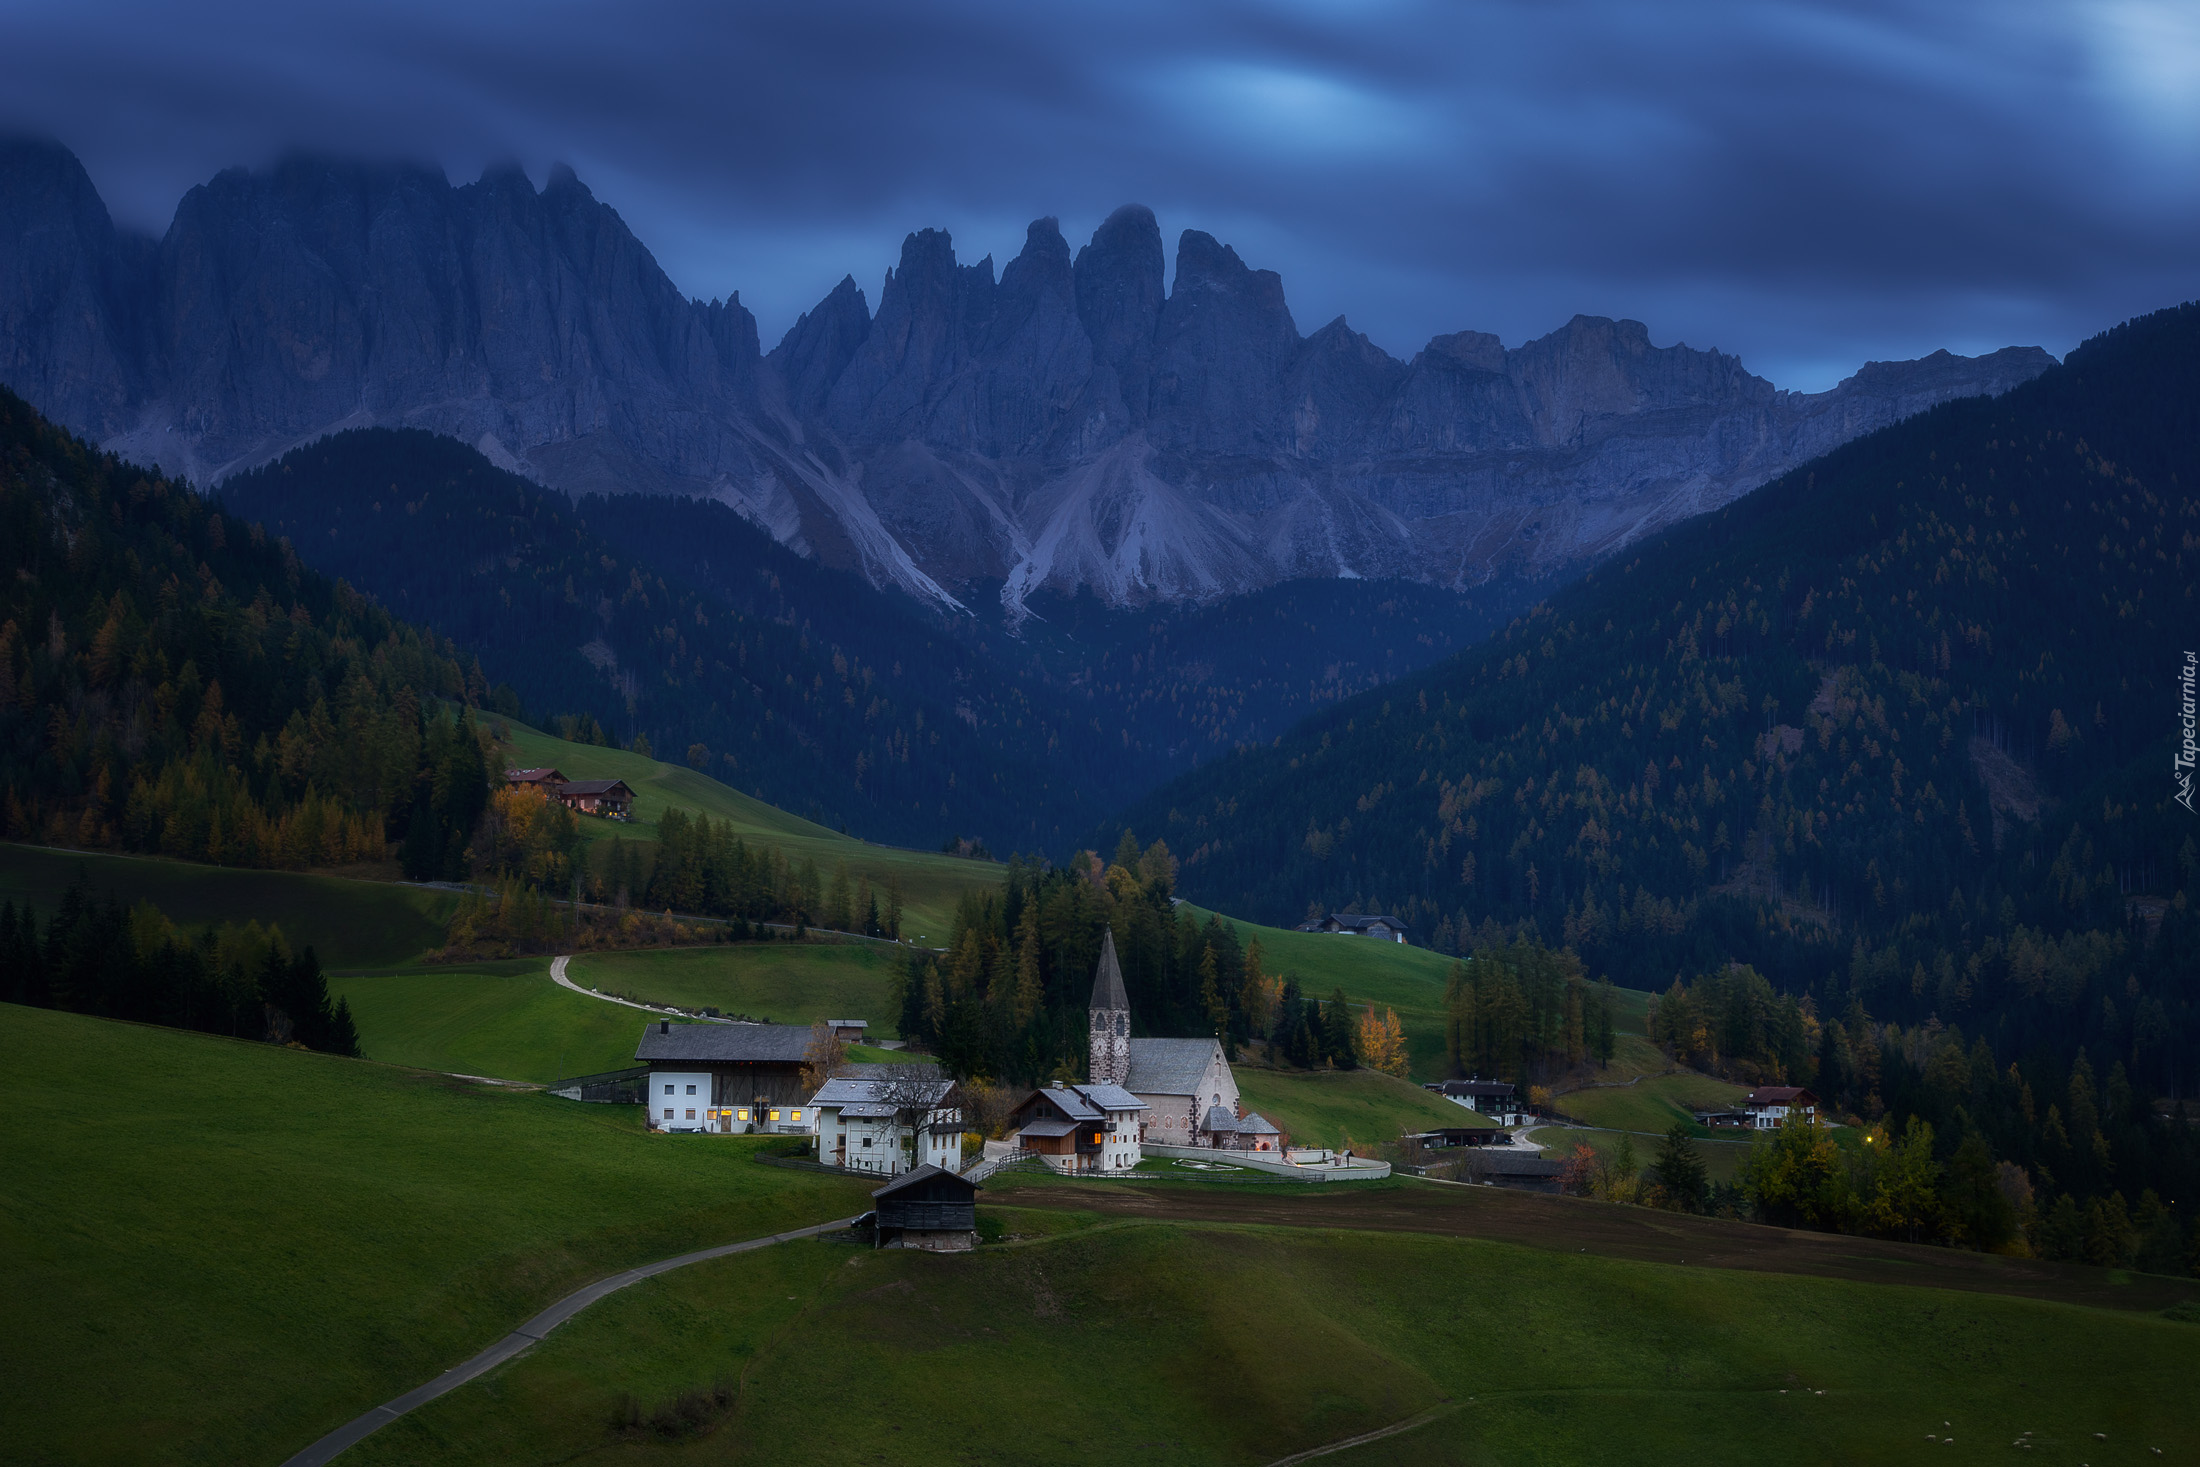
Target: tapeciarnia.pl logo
pixel 2188 746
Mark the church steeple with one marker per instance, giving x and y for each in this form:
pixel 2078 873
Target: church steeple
pixel 1110 1060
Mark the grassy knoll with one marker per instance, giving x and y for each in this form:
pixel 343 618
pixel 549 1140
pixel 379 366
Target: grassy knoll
pixel 931 883
pixel 1722 1158
pixel 1237 1345
pixel 1339 1107
pixel 787 983
pixel 1388 975
pixel 506 1020
pixel 220 1250
pixel 1652 1103
pixel 348 923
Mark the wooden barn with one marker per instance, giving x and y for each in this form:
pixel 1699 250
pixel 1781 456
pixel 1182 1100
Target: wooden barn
pixel 607 797
pixel 927 1208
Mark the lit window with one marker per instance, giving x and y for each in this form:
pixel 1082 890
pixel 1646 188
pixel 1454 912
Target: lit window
pixel 798 1115
pixel 741 1114
pixel 775 1115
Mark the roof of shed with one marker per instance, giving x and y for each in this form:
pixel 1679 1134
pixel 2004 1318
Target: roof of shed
pixel 925 1175
pixel 594 786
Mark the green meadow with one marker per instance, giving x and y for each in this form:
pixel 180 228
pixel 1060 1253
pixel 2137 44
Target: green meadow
pixel 504 1020
pixel 1722 1158
pixel 349 923
pixel 1170 1343
pixel 220 1250
pixel 787 983
pixel 1361 1108
pixel 931 883
pixel 1652 1103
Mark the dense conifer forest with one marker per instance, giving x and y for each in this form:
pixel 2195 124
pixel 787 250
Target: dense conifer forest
pixel 1896 732
pixel 176 681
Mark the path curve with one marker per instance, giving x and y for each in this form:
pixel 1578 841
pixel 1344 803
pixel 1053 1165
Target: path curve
pixel 361 1427
pixel 557 976
pixel 1394 1429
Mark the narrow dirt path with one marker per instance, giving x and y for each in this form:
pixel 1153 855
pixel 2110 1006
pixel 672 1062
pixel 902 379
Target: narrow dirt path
pixel 361 1427
pixel 557 976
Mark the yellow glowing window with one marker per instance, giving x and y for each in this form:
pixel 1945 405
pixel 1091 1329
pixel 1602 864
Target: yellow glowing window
pixel 775 1115
pixel 741 1115
pixel 798 1115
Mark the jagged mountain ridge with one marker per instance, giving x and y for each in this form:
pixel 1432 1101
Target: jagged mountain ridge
pixel 1075 422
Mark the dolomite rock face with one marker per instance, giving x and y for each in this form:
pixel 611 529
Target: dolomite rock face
pixel 1065 424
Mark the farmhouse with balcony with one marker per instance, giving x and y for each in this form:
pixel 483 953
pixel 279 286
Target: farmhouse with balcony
pixel 607 797
pixel 1080 1128
pixel 1495 1099
pixel 1772 1106
pixel 887 1119
pixel 549 781
pixel 727 1079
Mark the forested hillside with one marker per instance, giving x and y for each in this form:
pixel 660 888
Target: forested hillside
pixel 173 680
pixel 1897 731
pixel 797 683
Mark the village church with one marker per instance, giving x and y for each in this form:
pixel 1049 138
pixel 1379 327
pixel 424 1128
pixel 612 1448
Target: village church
pixel 1191 1098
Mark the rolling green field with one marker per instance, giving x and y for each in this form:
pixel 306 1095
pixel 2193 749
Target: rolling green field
pixel 222 1250
pixel 506 1020
pixel 787 983
pixel 1387 975
pixel 1345 1107
pixel 1722 1158
pixel 1652 1103
pixel 931 883
pixel 348 923
pixel 1239 1345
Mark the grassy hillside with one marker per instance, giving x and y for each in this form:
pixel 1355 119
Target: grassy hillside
pixel 506 1020
pixel 1235 1345
pixel 1722 1158
pixel 1345 1107
pixel 931 883
pixel 222 1250
pixel 1388 975
pixel 348 923
pixel 1653 1103
pixel 787 983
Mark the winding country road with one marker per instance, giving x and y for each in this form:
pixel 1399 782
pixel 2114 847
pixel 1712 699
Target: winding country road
pixel 361 1427
pixel 557 976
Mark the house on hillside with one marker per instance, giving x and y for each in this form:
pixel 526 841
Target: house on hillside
pixel 888 1119
pixel 1521 1170
pixel 549 781
pixel 1080 1128
pixel 1496 1099
pixel 727 1079
pixel 1772 1106
pixel 1388 928
pixel 849 1031
pixel 930 1208
pixel 607 797
pixel 1185 1085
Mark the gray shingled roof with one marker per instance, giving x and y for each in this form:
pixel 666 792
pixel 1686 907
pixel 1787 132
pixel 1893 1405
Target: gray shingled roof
pixel 1253 1123
pixel 1220 1121
pixel 1112 1097
pixel 1107 982
pixel 1048 1126
pixel 594 786
pixel 925 1173
pixel 1169 1066
pixel 723 1044
pixel 851 1090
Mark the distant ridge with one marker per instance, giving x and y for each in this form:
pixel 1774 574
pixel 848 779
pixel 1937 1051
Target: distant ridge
pixel 1066 425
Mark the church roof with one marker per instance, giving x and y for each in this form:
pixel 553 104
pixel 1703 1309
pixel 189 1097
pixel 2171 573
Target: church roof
pixel 1169 1066
pixel 1107 983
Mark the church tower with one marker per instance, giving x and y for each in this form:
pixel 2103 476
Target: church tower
pixel 1110 1062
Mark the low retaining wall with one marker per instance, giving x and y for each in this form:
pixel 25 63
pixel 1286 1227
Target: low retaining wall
pixel 1358 1171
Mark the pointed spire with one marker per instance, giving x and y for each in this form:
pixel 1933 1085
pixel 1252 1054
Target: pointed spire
pixel 1107 982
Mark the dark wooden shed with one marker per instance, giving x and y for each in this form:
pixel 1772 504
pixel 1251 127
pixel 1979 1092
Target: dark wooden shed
pixel 928 1208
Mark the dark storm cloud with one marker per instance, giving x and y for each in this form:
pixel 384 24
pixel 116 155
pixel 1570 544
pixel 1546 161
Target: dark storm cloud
pixel 1807 185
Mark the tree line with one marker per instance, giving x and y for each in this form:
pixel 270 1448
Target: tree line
pixel 98 957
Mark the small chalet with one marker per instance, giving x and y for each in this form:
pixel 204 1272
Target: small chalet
pixel 1772 1106
pixel 549 781
pixel 728 1079
pixel 1080 1128
pixel 1495 1099
pixel 849 1031
pixel 607 797
pixel 888 1119
pixel 1353 924
pixel 930 1209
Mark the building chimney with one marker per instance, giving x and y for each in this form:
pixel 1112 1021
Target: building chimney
pixel 664 1026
